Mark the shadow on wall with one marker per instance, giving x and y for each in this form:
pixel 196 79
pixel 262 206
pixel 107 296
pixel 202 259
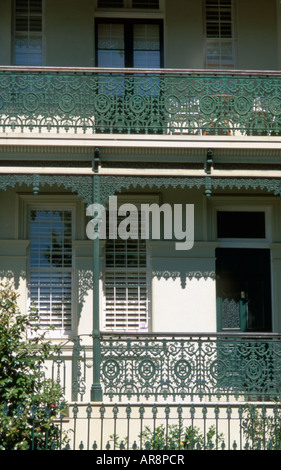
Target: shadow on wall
pixel 12 277
pixel 183 275
pixel 84 287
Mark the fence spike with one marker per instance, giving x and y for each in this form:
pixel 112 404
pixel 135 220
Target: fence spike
pixel 115 410
pixel 89 410
pixel 247 446
pixel 141 411
pixel 167 411
pixel 75 410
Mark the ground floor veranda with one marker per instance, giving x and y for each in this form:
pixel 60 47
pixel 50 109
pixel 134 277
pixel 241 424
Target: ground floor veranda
pixel 200 357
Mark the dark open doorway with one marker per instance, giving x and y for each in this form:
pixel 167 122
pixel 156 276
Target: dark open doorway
pixel 243 290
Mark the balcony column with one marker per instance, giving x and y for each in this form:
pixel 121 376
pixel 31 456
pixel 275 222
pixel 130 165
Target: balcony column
pixel 96 390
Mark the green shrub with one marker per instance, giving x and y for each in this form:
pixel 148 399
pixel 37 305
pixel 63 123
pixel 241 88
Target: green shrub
pixel 262 430
pixel 177 437
pixel 28 401
pixel 173 437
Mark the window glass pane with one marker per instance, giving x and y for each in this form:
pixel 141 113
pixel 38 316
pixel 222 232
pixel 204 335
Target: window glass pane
pixel 22 6
pixel 240 224
pixel 50 280
pixel 110 59
pixel 21 24
pixel 35 24
pixel 146 46
pixel 146 37
pixel 110 3
pixel 28 32
pixel 28 50
pixel 111 45
pixel 220 52
pixel 128 4
pixel 111 36
pixel 145 59
pixel 145 3
pixel 35 6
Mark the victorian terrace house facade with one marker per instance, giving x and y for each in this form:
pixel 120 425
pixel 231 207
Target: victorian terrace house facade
pixel 173 106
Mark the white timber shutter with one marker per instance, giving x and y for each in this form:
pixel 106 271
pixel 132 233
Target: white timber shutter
pixel 28 32
pixel 126 284
pixel 51 267
pixel 219 27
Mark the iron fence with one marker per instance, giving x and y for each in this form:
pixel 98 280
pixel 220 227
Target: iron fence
pixel 149 427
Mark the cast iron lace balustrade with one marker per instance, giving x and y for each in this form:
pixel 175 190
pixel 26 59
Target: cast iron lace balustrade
pixel 133 101
pixel 181 367
pixel 174 367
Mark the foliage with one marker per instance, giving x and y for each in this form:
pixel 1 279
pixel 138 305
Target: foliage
pixel 29 401
pixel 262 430
pixel 174 437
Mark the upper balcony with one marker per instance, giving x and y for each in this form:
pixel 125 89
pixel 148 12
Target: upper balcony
pixel 155 105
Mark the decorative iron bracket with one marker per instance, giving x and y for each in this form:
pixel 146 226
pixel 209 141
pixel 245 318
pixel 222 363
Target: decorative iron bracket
pixel 209 162
pixel 36 183
pixel 96 160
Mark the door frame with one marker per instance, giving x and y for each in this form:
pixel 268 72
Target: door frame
pixel 243 204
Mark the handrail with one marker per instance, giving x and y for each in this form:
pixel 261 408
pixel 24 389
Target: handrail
pixel 150 71
pixel 243 335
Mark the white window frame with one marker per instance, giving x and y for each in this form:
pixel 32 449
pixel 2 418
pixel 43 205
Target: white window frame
pixel 137 201
pixel 28 34
pixel 50 202
pixel 220 41
pixel 268 205
pixel 249 204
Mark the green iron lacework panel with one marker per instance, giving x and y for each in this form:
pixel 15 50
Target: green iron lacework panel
pixel 190 368
pixel 140 103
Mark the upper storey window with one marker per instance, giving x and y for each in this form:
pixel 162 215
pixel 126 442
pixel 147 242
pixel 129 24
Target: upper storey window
pixel 219 30
pixel 146 4
pixel 129 43
pixel 28 36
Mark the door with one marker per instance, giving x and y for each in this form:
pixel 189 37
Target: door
pixel 243 290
